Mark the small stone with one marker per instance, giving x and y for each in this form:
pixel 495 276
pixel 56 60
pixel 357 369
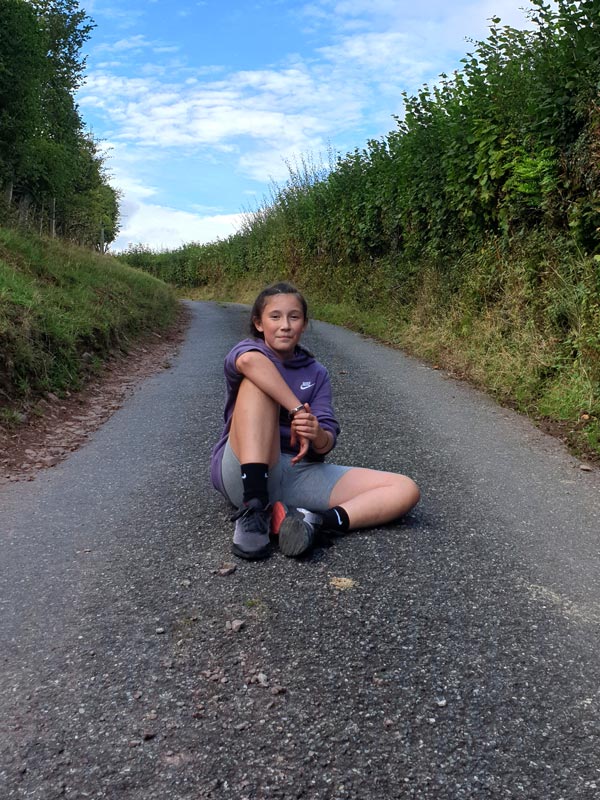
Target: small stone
pixel 387 723
pixel 237 625
pixel 585 468
pixel 160 630
pixel 134 743
pixel 275 690
pixel 226 569
pixel 49 461
pixel 441 702
pixel 262 679
pixel 147 735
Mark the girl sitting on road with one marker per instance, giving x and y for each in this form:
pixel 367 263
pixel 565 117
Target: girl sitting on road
pixel 279 426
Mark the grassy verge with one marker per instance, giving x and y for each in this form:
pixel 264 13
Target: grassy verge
pixel 63 310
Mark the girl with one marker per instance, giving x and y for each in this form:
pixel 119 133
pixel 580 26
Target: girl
pixel 279 426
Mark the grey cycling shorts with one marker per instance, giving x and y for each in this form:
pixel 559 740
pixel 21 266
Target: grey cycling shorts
pixel 307 484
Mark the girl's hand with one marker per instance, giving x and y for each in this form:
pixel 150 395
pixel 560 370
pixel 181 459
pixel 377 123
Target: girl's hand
pixel 297 438
pixel 303 444
pixel 304 429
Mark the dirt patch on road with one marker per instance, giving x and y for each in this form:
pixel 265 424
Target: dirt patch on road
pixel 53 427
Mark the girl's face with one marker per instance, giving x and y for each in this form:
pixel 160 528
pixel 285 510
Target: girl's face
pixel 282 323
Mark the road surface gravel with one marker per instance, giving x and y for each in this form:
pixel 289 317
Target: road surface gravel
pixel 451 655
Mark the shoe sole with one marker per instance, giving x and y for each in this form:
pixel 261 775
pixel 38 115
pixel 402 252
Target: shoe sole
pixel 256 555
pixel 294 537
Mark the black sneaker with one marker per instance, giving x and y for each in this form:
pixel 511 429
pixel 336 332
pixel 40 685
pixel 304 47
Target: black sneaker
pixel 251 535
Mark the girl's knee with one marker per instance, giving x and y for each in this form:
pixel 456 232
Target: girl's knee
pixel 412 490
pixel 406 490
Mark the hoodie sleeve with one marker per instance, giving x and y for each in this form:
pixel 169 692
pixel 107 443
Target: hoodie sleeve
pixel 232 376
pixel 321 404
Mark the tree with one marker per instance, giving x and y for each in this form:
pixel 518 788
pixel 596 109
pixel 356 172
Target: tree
pixel 22 52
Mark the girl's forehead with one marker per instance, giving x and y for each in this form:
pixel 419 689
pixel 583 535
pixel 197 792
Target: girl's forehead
pixel 283 302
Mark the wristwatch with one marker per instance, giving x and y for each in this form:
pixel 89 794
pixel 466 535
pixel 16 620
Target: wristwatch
pixel 295 411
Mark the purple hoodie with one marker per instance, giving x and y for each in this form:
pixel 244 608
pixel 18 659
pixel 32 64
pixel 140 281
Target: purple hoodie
pixel 306 377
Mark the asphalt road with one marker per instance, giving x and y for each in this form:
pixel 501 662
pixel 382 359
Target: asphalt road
pixel 452 655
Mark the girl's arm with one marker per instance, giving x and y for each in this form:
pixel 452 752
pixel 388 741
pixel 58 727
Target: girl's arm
pixel 263 373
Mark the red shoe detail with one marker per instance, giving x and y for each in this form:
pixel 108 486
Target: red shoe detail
pixel 278 514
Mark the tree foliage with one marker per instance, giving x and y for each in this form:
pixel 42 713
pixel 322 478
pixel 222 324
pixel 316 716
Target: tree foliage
pixel 51 170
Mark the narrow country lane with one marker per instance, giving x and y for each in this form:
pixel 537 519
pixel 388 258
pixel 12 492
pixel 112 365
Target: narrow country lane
pixel 453 655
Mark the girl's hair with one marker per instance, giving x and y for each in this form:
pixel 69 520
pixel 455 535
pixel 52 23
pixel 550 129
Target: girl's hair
pixel 261 301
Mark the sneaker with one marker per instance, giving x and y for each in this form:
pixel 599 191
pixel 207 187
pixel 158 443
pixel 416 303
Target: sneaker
pixel 295 527
pixel 251 535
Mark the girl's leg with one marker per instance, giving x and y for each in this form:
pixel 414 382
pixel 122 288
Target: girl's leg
pixel 372 498
pixel 360 498
pixel 254 440
pixel 254 434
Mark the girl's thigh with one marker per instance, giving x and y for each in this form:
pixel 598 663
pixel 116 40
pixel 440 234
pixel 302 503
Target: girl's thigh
pixel 309 484
pixel 358 480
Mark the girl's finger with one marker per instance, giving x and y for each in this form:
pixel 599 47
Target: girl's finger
pixel 304 443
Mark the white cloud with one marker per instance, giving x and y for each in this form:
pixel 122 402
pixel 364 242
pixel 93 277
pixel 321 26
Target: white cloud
pixel 133 43
pixel 290 110
pixel 122 17
pixel 435 26
pixel 136 44
pixel 162 227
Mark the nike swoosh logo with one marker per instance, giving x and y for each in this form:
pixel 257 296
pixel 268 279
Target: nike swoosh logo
pixel 306 385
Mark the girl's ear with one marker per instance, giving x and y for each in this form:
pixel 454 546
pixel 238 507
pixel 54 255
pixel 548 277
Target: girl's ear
pixel 258 324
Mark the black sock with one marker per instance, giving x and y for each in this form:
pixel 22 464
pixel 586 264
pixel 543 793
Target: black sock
pixel 254 478
pixel 335 519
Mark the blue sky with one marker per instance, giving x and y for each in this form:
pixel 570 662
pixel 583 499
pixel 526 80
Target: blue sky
pixel 201 104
